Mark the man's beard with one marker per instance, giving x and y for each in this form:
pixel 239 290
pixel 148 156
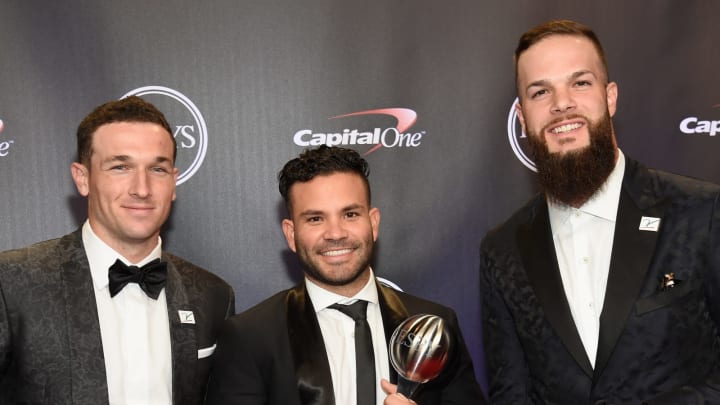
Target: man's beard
pixel 314 270
pixel 574 177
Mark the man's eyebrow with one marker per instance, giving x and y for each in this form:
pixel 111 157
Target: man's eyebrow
pixel 538 83
pixel 308 213
pixel 118 158
pixel 574 75
pixel 163 159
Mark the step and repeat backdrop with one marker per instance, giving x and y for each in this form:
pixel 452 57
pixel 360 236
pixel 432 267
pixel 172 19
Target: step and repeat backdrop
pixel 423 88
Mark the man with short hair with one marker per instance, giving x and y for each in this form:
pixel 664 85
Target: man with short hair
pixel 299 346
pixel 605 288
pixel 103 315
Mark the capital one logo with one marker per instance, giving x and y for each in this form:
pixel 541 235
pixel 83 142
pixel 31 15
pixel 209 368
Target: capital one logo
pixel 4 145
pixel 396 136
pixel 695 125
pixel 518 138
pixel 187 122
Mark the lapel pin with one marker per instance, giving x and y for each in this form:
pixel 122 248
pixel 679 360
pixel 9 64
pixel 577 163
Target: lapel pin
pixel 186 317
pixel 668 281
pixel 651 224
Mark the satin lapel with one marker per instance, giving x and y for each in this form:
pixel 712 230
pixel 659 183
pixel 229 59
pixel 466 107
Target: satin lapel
pixel 537 249
pixel 312 368
pixel 89 381
pixel 183 342
pixel 393 314
pixel 632 253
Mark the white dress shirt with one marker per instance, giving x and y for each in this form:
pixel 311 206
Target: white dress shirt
pixel 583 239
pixel 338 334
pixel 135 331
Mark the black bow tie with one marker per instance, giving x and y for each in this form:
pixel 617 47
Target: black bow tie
pixel 150 277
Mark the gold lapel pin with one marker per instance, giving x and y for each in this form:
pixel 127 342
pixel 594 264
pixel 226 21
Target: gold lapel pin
pixel 668 281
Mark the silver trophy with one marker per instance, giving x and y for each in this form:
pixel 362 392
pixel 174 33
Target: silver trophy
pixel 419 349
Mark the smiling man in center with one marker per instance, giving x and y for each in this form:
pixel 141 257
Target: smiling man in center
pixel 299 346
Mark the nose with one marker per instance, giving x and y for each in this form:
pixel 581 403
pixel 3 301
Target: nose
pixel 562 101
pixel 334 230
pixel 140 186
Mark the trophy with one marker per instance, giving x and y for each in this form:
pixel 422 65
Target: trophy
pixel 419 349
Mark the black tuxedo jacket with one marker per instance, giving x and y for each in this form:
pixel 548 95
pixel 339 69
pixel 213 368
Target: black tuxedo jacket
pixel 273 354
pixel 659 347
pixel 50 344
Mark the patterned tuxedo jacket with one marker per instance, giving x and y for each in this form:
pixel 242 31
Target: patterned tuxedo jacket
pixel 655 346
pixel 50 344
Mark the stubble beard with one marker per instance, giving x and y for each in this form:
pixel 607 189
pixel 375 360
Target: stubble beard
pixel 314 271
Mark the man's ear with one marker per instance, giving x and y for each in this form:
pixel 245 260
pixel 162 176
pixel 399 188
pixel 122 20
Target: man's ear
pixel 521 117
pixel 288 228
pixel 176 172
pixel 375 222
pixel 81 177
pixel 611 91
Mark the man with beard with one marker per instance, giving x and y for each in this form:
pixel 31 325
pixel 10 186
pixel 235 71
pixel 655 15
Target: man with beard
pixel 605 288
pixel 299 346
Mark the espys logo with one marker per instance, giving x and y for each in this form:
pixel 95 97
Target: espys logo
pixel 4 145
pixel 694 125
pixel 390 137
pixel 190 131
pixel 518 138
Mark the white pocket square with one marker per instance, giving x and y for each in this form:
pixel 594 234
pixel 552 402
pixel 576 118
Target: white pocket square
pixel 206 352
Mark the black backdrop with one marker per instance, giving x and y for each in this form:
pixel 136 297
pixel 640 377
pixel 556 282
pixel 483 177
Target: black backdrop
pixel 239 79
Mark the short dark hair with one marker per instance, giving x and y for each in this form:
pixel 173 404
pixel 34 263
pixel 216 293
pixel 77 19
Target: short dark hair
pixel 129 109
pixel 558 27
pixel 322 161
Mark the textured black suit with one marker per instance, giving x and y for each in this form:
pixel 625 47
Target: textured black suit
pixel 659 346
pixel 273 354
pixel 50 344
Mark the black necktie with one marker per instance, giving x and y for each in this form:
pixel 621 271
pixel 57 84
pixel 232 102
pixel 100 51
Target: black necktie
pixel 150 277
pixel 364 354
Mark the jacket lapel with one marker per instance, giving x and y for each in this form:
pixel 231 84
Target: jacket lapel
pixel 537 250
pixel 312 368
pixel 183 341
pixel 89 381
pixel 393 314
pixel 632 253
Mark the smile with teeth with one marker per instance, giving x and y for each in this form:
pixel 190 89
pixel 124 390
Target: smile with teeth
pixel 566 128
pixel 336 252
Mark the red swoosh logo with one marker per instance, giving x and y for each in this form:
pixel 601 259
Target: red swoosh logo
pixel 405 119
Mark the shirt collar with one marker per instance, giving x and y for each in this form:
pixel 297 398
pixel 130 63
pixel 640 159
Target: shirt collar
pixel 322 298
pixel 603 204
pixel 101 256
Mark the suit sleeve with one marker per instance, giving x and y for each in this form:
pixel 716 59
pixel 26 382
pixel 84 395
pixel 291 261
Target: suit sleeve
pixel 712 286
pixel 231 303
pixel 506 365
pixel 5 336
pixel 463 388
pixel 236 377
